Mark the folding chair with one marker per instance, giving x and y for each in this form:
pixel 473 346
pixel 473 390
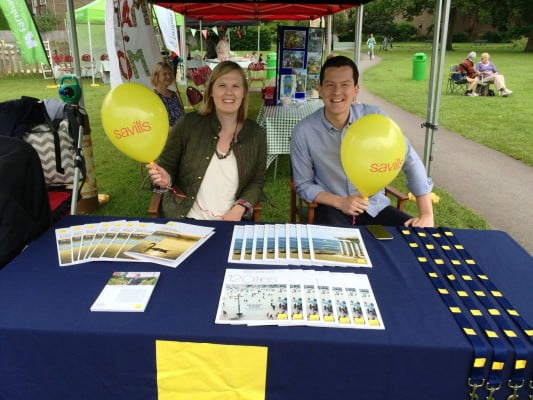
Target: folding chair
pixel 457 82
pixel 256 73
pixel 194 96
pixel 154 208
pixel 200 75
pixel 303 211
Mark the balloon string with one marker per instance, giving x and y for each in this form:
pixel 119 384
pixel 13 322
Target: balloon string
pixel 353 217
pixel 213 214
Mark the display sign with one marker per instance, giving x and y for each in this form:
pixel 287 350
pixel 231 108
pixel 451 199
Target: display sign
pixel 299 59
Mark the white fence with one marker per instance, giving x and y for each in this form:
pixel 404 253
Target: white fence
pixel 12 63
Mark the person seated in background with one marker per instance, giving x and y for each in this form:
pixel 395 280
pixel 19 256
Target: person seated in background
pixel 161 78
pixel 466 68
pixel 489 73
pixel 213 164
pixel 222 48
pixel 211 44
pixel 316 160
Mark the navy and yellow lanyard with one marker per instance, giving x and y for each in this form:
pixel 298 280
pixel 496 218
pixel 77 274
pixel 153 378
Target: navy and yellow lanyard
pixel 460 265
pixel 482 352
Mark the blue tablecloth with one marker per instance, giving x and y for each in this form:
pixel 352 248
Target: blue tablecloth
pixel 53 347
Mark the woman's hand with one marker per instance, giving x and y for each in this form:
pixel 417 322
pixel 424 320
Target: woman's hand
pixel 158 175
pixel 234 214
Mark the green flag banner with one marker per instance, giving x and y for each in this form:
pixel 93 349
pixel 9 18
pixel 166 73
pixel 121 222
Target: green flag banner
pixel 21 24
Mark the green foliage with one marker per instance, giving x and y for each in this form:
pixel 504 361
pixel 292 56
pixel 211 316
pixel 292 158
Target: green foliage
pixel 248 39
pixel 3 22
pixel 47 21
pixel 404 32
pixel 462 37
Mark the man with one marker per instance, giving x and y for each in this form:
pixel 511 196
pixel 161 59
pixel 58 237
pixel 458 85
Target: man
pixel 316 162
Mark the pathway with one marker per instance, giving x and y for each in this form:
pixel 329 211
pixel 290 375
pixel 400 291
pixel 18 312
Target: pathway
pixel 495 186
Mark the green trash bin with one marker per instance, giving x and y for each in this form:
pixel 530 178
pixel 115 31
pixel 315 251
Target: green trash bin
pixel 271 65
pixel 419 66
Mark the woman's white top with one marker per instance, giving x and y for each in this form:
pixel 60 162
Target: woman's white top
pixel 217 190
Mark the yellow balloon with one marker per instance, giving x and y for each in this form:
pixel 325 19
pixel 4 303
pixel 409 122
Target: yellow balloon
pixel 372 153
pixel 136 121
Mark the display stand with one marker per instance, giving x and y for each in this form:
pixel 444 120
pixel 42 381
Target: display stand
pixel 299 61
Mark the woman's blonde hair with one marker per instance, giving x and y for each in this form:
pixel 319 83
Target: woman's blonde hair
pixel 221 69
pixel 158 69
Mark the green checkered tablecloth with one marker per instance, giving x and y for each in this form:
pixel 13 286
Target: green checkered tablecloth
pixel 278 122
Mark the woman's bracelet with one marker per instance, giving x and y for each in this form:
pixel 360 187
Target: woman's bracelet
pixel 247 207
pixel 163 189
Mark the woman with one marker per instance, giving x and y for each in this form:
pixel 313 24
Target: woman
pixel 222 48
pixel 466 68
pixel 214 160
pixel 162 77
pixel 489 74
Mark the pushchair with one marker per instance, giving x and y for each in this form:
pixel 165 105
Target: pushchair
pixel 51 130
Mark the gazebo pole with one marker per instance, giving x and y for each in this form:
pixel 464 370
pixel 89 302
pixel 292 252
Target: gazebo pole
pixel 358 35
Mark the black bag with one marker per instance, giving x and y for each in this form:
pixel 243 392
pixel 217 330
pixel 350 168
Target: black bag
pixel 56 143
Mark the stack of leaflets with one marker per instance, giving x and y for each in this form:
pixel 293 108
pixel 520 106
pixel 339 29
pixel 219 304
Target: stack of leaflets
pixel 284 244
pixel 297 297
pixel 126 291
pixel 167 244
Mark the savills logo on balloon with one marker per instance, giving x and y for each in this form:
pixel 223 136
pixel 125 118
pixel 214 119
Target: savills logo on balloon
pixel 137 127
pixel 387 167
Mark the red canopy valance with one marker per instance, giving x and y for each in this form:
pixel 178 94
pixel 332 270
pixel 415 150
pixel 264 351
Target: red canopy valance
pixel 258 10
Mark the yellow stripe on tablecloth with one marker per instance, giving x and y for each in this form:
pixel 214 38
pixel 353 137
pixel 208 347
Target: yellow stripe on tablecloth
pixel 206 371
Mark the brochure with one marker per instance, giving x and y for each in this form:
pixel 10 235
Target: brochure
pixel 256 297
pixel 338 246
pixel 297 244
pixel 171 243
pixel 64 246
pixel 298 297
pixel 140 231
pixel 236 244
pixel 87 240
pixel 126 292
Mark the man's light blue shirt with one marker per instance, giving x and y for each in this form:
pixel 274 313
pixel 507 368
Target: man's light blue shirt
pixel 316 160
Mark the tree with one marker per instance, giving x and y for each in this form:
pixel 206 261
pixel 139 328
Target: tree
pixel 520 13
pixel 3 22
pixel 47 21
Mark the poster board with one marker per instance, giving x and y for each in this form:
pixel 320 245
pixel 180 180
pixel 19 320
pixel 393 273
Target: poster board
pixel 300 51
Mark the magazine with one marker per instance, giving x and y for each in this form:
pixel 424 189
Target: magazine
pixel 333 245
pixel 256 297
pixel 171 243
pixel 140 231
pixel 298 297
pixel 127 292
pixel 297 244
pixel 64 246
pixel 236 244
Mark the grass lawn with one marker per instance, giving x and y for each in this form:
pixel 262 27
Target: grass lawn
pixel 121 177
pixel 501 123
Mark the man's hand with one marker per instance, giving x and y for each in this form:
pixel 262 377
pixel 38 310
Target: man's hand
pixel 425 208
pixel 424 221
pixel 352 205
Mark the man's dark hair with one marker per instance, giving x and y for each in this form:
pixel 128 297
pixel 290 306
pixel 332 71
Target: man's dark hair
pixel 339 61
